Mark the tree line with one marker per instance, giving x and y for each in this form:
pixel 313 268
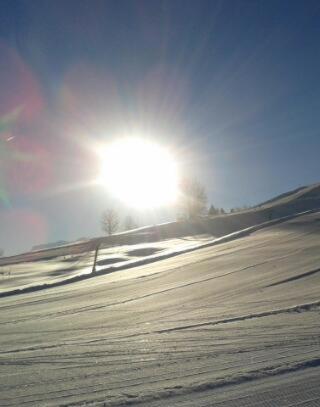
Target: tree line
pixel 192 204
pixel 110 222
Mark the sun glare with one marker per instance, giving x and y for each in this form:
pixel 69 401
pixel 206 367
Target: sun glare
pixel 140 173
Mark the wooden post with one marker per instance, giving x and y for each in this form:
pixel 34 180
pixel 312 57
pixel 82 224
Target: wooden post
pixel 95 258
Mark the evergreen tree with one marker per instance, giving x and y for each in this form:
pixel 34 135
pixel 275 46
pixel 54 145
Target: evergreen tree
pixel 213 211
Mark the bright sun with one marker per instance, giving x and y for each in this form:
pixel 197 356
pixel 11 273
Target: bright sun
pixel 140 173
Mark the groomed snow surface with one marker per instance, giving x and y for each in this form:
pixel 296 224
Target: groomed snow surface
pixel 235 324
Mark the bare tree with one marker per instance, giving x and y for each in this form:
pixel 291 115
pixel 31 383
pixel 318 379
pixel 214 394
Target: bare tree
pixel 110 221
pixel 193 199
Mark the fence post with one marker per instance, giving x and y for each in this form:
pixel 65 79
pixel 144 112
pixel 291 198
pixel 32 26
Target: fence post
pixel 95 258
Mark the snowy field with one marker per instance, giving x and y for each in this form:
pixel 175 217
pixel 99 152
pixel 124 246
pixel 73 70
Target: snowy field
pixel 237 324
pixel 61 267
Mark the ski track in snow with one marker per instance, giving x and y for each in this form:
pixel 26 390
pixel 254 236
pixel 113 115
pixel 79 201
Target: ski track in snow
pixel 298 277
pixel 297 308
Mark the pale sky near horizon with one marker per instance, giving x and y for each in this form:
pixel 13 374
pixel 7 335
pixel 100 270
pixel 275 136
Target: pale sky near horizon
pixel 231 87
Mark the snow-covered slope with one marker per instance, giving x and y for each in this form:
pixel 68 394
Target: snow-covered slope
pixel 307 193
pixel 235 324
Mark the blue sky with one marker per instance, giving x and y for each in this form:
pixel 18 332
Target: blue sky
pixel 231 86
